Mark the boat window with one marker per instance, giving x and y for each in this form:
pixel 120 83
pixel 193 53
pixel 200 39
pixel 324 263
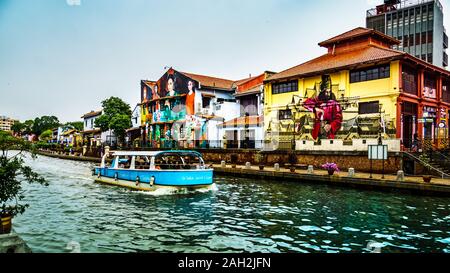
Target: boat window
pixel 142 163
pixel 124 162
pixel 177 161
pixel 109 164
pixel 169 162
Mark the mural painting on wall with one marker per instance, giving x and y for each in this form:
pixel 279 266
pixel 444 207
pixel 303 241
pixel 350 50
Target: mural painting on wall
pixel 327 111
pixel 321 115
pixel 171 99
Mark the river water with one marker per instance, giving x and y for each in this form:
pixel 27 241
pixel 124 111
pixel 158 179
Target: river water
pixel 240 215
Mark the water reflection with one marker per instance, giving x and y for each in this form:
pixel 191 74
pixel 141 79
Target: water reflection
pixel 240 216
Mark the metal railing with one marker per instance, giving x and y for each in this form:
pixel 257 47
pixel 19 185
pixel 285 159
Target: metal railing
pixel 197 144
pixel 427 165
pixel 381 9
pixel 435 151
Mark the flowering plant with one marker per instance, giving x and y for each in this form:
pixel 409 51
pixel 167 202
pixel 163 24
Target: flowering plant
pixel 331 167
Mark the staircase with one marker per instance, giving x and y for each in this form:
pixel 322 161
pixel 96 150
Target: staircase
pixel 438 162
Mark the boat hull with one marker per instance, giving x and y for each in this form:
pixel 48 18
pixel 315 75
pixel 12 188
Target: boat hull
pixel 146 186
pixel 168 178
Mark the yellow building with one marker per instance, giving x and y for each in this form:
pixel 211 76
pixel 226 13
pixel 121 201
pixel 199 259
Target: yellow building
pixel 377 89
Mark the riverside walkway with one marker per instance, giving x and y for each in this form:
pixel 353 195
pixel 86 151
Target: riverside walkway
pixel 437 186
pixel 359 180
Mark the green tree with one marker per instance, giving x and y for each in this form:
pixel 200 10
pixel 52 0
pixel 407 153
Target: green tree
pixel 46 135
pixel 13 172
pixel 120 123
pixel 28 127
pixel 18 127
pixel 78 125
pixel 44 123
pixel 116 116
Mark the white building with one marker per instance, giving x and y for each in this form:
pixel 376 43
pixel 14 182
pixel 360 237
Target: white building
pixel 92 135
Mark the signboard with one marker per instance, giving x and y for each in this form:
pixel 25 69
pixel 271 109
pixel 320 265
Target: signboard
pixel 425 120
pixel 378 152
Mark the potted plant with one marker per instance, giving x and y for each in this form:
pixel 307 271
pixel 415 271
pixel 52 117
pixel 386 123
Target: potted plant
pixel 234 159
pixel 292 161
pixel 261 160
pixel 13 172
pixel 331 168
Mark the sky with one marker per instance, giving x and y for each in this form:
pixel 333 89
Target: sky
pixel 63 57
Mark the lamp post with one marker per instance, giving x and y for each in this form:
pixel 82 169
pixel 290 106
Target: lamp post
pixel 380 137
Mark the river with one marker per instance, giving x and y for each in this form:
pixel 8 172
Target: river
pixel 240 215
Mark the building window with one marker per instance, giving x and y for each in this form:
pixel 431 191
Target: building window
pixel 430 37
pixel 368 107
pixel 285 114
pixel 446 91
pixel 206 102
pixel 409 78
pixel 369 74
pixel 411 39
pixel 92 123
pixel 429 87
pixel 285 87
pixel 405 41
pixel 417 38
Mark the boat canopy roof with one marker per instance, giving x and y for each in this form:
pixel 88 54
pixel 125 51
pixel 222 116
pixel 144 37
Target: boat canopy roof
pixel 154 153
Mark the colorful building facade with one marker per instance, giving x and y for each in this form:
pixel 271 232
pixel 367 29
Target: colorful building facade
pixel 375 90
pixel 183 109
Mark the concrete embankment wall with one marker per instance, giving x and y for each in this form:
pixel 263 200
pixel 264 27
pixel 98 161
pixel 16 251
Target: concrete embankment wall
pixel 345 160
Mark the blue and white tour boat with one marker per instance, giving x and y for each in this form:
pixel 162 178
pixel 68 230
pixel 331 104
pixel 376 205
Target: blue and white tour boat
pixel 152 170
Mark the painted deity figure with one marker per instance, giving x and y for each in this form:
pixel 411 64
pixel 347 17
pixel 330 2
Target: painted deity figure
pixel 327 114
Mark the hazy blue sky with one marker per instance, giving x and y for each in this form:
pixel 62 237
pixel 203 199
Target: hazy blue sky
pixel 59 58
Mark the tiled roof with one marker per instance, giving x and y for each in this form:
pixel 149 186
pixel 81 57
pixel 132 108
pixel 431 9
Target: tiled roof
pixel 327 62
pixel 239 82
pixel 92 114
pixel 254 90
pixel 211 81
pixel 241 121
pixel 358 32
